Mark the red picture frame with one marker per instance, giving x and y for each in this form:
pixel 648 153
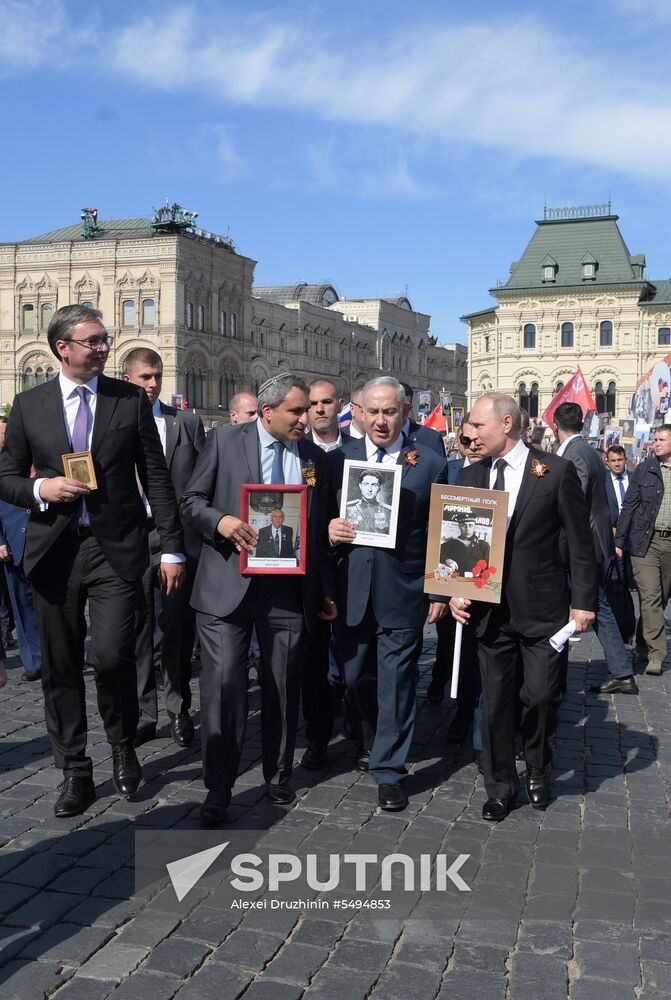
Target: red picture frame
pixel 256 504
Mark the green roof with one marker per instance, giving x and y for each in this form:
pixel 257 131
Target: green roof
pixel 569 243
pixel 660 294
pixel 108 229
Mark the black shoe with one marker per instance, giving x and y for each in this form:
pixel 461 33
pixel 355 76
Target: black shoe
pixel 315 757
pixel 30 675
pixel 392 798
pixel 282 795
pixel 213 809
pixel 538 786
pixel 458 729
pixel 77 794
pixel 144 734
pixel 126 770
pixel 496 809
pixel 435 693
pixel 363 761
pixel 181 728
pixel 616 685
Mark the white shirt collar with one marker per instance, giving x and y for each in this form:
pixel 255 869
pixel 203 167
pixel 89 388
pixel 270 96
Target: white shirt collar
pixel 156 410
pixel 393 449
pixel 267 439
pixel 68 387
pixel 516 457
pixel 562 447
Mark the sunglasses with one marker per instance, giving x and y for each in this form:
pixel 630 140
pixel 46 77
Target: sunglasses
pixel 466 441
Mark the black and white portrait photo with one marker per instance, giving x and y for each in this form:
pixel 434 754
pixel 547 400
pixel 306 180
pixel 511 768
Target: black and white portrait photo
pixel 465 539
pixel 369 501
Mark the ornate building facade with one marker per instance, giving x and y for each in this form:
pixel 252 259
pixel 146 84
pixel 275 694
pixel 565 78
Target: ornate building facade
pixel 185 292
pixel 575 297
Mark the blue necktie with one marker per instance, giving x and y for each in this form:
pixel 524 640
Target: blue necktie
pixel 381 452
pixel 277 471
pixel 620 480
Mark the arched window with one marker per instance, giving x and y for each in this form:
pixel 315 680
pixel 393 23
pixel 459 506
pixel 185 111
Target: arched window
pixel 529 337
pixel 611 394
pixel 234 325
pixel 664 335
pixel 567 334
pixel 201 317
pixel 523 396
pixel 50 373
pixel 28 317
pixel 128 312
pixel 533 400
pixel 148 312
pixel 195 389
pixel 599 397
pixel 40 376
pixel 28 380
pixel 559 385
pixel 606 334
pixel 189 315
pixel 222 322
pixel 47 312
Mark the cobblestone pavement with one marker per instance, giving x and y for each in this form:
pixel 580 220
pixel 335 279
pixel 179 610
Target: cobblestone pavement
pixel 573 903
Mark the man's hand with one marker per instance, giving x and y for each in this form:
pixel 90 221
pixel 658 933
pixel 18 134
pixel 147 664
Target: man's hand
pixel 582 619
pixel 238 532
pixel 329 611
pixel 341 531
pixel 61 489
pixel 172 576
pixel 618 553
pixel 458 607
pixel 437 610
pixel 5 554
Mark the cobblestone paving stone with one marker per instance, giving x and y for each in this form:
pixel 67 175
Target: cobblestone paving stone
pixel 573 903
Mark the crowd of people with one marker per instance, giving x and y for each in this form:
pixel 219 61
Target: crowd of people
pixel 156 540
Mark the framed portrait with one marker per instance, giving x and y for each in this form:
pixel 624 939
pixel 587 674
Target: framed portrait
pixel 627 426
pixel 279 515
pixel 445 403
pixel 457 418
pixel 537 435
pixel 369 500
pixel 79 465
pixel 424 402
pixel 466 543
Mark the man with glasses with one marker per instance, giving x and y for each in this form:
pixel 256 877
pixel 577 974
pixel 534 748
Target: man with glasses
pixel 89 544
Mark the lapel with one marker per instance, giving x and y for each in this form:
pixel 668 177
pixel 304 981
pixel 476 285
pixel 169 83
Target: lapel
pixel 171 431
pixel 307 462
pixel 250 447
pixel 105 406
pixel 529 484
pixel 54 416
pixel 406 447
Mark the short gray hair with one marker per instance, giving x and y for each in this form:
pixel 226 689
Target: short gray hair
pixel 274 391
pixel 385 380
pixel 504 406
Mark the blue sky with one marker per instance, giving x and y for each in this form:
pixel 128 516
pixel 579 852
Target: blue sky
pixel 376 145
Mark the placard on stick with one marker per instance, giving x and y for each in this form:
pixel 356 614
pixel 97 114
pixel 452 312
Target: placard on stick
pixel 466 543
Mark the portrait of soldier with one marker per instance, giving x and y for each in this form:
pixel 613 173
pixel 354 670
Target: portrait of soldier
pixel 367 512
pixel 461 553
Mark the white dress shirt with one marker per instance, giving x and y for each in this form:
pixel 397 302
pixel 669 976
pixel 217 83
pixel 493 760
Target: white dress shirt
pixel 513 473
pixel 392 452
pixel 327 445
pixel 291 462
pixel 353 432
pixel 616 486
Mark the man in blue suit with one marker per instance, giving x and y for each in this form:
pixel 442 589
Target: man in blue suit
pixel 382 604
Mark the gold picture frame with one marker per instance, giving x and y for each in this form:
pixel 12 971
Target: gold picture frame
pixel 79 465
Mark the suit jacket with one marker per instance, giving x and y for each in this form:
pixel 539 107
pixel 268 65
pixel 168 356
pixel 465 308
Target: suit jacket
pixel 454 467
pixel 393 578
pixel 230 459
pixel 418 433
pixel 124 439
pixel 592 474
pixel 184 441
pixel 265 546
pixel 613 505
pixel 13 528
pixel 535 591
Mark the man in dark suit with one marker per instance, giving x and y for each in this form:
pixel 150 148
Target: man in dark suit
pixel 593 476
pixel 85 543
pixel 13 528
pixel 418 432
pixel 617 479
pixel 276 541
pixel 544 499
pixel 382 602
pixel 166 625
pixel 270 450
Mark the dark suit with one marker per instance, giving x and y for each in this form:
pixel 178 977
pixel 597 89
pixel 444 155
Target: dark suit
pixel 13 527
pixel 613 505
pixel 166 625
pixel 265 545
pixel 228 605
pixel 103 563
pixel 427 436
pixel 535 605
pixel 381 612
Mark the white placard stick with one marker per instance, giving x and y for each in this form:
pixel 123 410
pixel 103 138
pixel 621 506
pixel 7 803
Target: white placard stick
pixel 456 659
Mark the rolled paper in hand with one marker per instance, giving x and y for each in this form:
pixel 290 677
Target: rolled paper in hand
pixel 560 638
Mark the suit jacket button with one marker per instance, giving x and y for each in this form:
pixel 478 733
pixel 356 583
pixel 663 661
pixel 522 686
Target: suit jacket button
pixel 23 530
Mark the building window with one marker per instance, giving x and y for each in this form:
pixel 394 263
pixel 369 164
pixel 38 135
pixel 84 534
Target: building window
pixel 47 312
pixel 486 345
pixel 195 389
pixel 326 350
pixel 28 317
pixel 664 335
pixel 148 312
pixel 260 338
pixel 88 304
pixel 611 395
pixel 559 385
pixel 529 337
pixel 588 271
pixel 234 325
pixel 533 400
pixel 606 334
pixel 605 401
pixel 28 380
pixel 523 396
pixel 306 346
pixel 201 318
pixel 128 312
pixel 189 315
pixel 222 322
pixel 567 334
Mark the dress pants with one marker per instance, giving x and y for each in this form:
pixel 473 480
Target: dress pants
pixel 74 571
pixel 617 656
pixel 653 580
pixel 7 621
pixel 387 711
pixel 274 605
pixel 317 692
pixel 23 606
pixel 540 694
pixel 165 632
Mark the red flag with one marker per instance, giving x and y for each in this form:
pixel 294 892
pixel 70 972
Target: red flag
pixel 436 420
pixel 575 391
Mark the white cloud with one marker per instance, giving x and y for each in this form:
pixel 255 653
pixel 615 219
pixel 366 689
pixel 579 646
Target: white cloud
pixel 218 146
pixel 34 32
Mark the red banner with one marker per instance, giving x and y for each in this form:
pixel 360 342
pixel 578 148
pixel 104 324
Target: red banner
pixel 575 391
pixel 436 420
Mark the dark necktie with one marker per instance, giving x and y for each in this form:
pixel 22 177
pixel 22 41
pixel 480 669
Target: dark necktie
pixel 381 452
pixel 277 471
pixel 500 466
pixel 620 480
pixel 277 540
pixel 80 440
